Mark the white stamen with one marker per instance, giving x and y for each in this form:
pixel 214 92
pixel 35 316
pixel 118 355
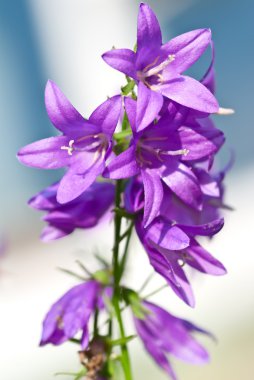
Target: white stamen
pixel 69 148
pixel 225 111
pixel 157 69
pixel 183 152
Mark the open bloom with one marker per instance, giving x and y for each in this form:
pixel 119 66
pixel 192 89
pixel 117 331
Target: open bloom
pixel 163 334
pixel 71 314
pixel 83 147
pixel 160 66
pixel 83 212
pixel 171 239
pixel 161 153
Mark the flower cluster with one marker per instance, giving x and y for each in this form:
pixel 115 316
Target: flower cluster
pixel 149 151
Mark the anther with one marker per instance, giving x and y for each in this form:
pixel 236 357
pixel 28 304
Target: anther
pixel 69 148
pixel 157 69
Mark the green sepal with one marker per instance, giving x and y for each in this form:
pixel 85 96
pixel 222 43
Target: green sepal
pixel 121 212
pixel 135 302
pixel 128 88
pixel 121 135
pixel 121 341
pixel 102 276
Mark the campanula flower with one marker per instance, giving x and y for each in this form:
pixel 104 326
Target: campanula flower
pixel 71 314
pixel 160 66
pixel 161 153
pixel 164 334
pixel 83 212
pixel 83 147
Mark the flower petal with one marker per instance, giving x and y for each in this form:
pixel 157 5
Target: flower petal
pixel 187 48
pixel 163 235
pixel 123 166
pixel 202 260
pixel 74 184
pixel 190 93
pixel 201 141
pixel 122 60
pixel 46 153
pixel 148 106
pixel 172 273
pixel 153 195
pixel 207 229
pixel 60 111
pixel 107 115
pixel 183 182
pixel 149 32
pixel 131 110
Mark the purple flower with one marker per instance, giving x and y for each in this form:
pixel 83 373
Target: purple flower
pixel 83 147
pixel 170 240
pixel 162 152
pixel 160 66
pixel 83 212
pixel 71 314
pixel 163 334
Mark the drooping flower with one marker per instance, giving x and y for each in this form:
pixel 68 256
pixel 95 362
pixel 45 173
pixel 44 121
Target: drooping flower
pixel 71 314
pixel 171 239
pixel 83 147
pixel 164 334
pixel 83 212
pixel 160 66
pixel 161 151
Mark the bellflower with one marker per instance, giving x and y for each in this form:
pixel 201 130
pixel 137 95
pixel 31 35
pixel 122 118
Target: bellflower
pixel 161 152
pixel 164 334
pixel 160 66
pixel 83 212
pixel 71 314
pixel 83 147
pixel 170 240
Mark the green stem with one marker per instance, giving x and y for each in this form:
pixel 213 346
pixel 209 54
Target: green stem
pixel 117 271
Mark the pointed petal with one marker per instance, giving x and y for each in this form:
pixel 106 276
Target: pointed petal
pixel 46 153
pixel 172 273
pixel 183 182
pixel 51 233
pixel 202 260
pixel 166 236
pixel 60 111
pixel 187 48
pixel 153 195
pixel 190 93
pixel 107 115
pixel 74 184
pixel 208 79
pixel 122 166
pixel 201 141
pixel 131 110
pixel 148 106
pixel 208 229
pixel 122 60
pixel 149 32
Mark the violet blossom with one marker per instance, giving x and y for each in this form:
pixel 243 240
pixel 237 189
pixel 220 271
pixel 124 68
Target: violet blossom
pixel 83 147
pixel 171 239
pixel 71 314
pixel 161 153
pixel 83 212
pixel 164 334
pixel 160 66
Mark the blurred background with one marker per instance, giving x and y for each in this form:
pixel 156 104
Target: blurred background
pixel 63 40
